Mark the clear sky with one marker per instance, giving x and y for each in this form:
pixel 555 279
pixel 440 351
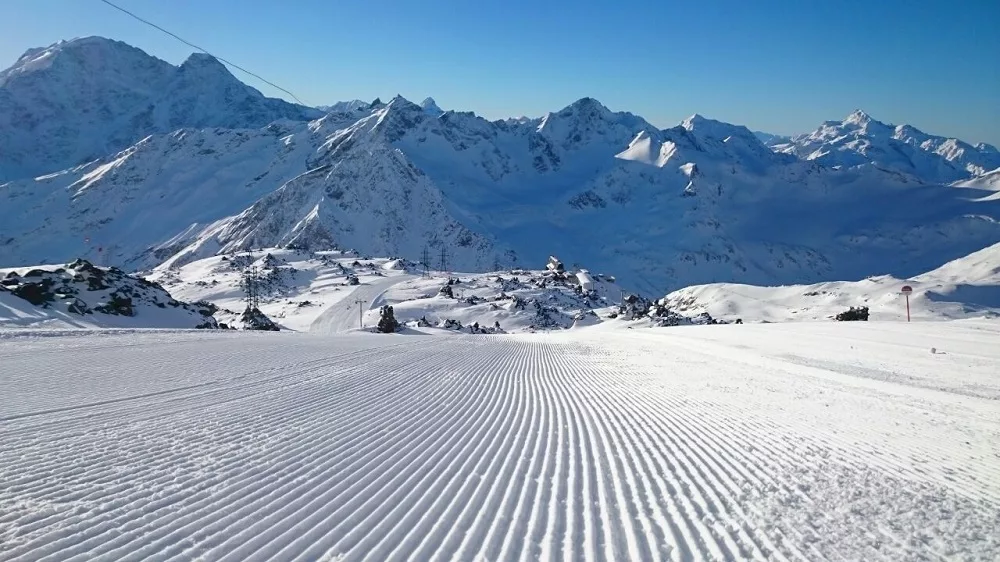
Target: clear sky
pixel 780 66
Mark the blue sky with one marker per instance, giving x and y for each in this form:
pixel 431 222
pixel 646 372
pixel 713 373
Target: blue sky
pixel 776 65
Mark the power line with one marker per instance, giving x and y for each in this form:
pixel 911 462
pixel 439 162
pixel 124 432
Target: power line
pixel 251 283
pixel 426 262
pixel 190 44
pixel 444 258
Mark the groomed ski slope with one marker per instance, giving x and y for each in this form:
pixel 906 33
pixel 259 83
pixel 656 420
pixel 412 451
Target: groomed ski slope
pixel 811 441
pixel 342 316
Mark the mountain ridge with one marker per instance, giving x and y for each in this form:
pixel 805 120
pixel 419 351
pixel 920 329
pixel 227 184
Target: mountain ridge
pixel 703 201
pixel 859 139
pixel 78 100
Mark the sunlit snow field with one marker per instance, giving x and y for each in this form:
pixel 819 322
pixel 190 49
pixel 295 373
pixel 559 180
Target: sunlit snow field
pixel 805 441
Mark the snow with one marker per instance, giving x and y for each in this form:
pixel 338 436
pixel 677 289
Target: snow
pixel 968 287
pixel 193 194
pixel 310 291
pixel 702 202
pixel 431 107
pixel 862 140
pixel 524 301
pixel 989 182
pixel 301 286
pixel 344 106
pixel 347 314
pixel 823 441
pixel 80 295
pixel 78 100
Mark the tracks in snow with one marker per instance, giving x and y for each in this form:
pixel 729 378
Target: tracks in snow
pixel 416 448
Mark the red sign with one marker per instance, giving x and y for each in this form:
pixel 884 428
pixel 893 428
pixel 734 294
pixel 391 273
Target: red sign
pixel 906 289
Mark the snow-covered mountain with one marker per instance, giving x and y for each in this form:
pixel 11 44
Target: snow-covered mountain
pixel 344 106
pixel 771 139
pixel 79 100
pixel 990 181
pixel 701 202
pixel 431 107
pixel 194 193
pixel 859 139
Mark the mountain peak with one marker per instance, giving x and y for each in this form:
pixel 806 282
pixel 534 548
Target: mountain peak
pixel 860 140
pixel 399 102
pixel 712 128
pixel 859 121
pixel 987 148
pixel 344 106
pixel 202 72
pixel 584 109
pixel 72 101
pixel 723 140
pixel 203 60
pixel 89 54
pixel 79 43
pixel 588 104
pixel 859 118
pixel 431 107
pixel 696 120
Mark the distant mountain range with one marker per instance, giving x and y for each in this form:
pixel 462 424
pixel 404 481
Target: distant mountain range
pixel 116 156
pixel 860 140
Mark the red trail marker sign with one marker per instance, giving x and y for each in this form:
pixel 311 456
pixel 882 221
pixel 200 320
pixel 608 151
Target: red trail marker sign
pixel 906 290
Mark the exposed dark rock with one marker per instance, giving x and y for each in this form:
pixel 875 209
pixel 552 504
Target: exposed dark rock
pixel 854 314
pixel 387 323
pixel 254 319
pixel 78 307
pixel 118 305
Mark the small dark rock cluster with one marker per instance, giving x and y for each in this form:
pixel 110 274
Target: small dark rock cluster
pixel 635 307
pixel 254 319
pixel 387 323
pixel 854 314
pixel 474 328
